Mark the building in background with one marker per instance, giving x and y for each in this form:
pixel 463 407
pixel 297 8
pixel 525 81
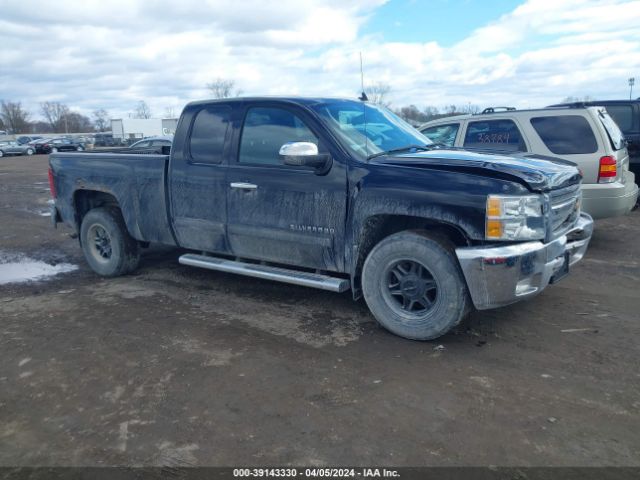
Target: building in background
pixel 128 130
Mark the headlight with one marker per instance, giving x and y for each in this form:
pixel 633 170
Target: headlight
pixel 514 217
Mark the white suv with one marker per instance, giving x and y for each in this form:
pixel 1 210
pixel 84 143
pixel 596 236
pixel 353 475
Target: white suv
pixel 586 136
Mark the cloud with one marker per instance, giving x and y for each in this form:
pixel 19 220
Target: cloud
pixel 96 54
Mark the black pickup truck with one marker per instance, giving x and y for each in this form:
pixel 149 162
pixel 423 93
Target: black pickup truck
pixel 337 195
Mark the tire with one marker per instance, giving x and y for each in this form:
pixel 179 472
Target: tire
pixel 106 243
pixel 54 150
pixel 413 285
pixel 79 149
pixel 29 151
pixel 1 154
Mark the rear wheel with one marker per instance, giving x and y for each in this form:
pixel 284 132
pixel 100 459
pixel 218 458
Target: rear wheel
pixel 54 150
pixel 413 285
pixel 1 154
pixel 106 243
pixel 29 151
pixel 79 149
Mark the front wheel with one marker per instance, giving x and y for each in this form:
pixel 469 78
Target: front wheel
pixel 106 243
pixel 54 150
pixel 414 287
pixel 1 154
pixel 29 151
pixel 79 149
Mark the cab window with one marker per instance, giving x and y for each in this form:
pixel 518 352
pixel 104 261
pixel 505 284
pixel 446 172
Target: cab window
pixel 206 144
pixel 265 130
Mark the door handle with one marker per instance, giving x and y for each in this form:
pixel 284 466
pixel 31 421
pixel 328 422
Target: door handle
pixel 243 185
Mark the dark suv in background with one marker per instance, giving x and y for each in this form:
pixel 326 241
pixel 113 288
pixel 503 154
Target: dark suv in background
pixel 626 114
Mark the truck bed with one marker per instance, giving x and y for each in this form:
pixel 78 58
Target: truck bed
pixel 137 181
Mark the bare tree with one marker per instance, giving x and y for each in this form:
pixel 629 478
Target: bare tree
pixel 377 93
pixel 142 110
pixel 470 108
pixel 223 88
pixel 570 99
pixel 77 123
pixel 40 126
pixel 431 112
pixel 412 115
pixel 451 110
pixel 101 119
pixel 56 115
pixel 14 117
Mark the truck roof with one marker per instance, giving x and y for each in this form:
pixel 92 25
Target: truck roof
pixel 291 99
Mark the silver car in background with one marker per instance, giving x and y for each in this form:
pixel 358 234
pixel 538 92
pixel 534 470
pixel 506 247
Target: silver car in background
pixel 13 148
pixel 585 136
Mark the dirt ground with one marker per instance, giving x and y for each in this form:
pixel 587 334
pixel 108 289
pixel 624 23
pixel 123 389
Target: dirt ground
pixel 179 366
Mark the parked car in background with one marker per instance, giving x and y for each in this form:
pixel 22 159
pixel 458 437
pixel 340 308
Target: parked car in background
pixel 26 139
pixel 626 113
pixel 151 144
pixel 14 148
pixel 38 144
pixel 586 136
pixel 62 145
pixel 106 140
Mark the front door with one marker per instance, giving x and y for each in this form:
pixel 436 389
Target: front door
pixel 280 213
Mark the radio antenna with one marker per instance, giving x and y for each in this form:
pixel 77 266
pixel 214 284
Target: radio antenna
pixel 363 97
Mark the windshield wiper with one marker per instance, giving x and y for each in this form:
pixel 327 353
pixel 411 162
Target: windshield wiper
pixel 405 148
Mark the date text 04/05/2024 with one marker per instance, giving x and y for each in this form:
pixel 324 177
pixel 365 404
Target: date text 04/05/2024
pixel 315 473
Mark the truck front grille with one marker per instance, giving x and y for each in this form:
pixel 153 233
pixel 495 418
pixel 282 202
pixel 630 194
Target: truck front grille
pixel 565 209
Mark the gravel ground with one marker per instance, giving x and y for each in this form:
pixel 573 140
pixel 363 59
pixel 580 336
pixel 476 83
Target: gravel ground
pixel 180 366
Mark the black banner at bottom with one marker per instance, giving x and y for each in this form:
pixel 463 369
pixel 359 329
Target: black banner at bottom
pixel 347 473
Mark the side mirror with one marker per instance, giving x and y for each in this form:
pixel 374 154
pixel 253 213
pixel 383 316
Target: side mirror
pixel 304 154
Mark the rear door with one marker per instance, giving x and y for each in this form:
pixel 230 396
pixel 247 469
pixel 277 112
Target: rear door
pixel 281 213
pixel 197 179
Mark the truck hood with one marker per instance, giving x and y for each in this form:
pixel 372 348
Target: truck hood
pixel 538 173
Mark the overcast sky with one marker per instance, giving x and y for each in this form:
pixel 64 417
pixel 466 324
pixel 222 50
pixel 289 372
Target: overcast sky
pixel 111 54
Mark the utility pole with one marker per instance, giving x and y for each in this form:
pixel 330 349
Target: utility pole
pixel 632 81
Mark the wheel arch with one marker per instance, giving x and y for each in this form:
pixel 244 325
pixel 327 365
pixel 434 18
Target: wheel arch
pixel 379 226
pixel 85 200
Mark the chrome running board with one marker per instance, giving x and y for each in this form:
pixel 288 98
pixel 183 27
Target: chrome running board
pixel 305 279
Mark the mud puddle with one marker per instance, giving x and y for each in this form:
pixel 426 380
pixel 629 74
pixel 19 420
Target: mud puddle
pixel 20 269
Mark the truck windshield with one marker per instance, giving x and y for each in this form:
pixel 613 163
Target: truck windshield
pixel 366 129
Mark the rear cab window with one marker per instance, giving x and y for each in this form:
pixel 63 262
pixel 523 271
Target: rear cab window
pixel 566 134
pixel 444 134
pixel 208 134
pixel 498 134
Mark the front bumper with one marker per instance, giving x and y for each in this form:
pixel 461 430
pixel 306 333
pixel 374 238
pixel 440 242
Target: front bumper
pixel 500 275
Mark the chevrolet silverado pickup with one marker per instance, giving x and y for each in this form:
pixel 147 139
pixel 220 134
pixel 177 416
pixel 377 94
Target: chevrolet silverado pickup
pixel 333 194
